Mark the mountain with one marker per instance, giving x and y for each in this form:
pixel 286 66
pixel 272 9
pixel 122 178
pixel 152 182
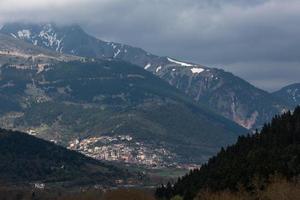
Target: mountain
pixel 73 40
pixel 27 159
pixel 290 94
pixel 275 150
pixel 221 91
pixel 226 94
pixel 21 53
pixel 112 110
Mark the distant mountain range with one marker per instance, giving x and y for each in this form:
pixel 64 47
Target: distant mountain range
pixel 27 159
pixel 220 91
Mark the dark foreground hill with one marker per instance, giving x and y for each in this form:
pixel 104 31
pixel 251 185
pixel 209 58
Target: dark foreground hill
pixel 275 150
pixel 26 159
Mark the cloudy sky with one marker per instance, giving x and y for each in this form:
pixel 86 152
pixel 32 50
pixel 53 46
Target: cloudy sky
pixel 258 40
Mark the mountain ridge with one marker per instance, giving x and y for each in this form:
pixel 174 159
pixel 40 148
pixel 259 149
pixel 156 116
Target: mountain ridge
pixel 205 85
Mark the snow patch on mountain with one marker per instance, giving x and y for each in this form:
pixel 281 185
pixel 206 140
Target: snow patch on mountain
pixel 117 53
pixel 24 34
pixel 13 35
pixel 147 66
pixel 46 35
pixel 158 69
pixel 294 93
pixel 50 38
pixel 197 70
pixel 180 63
pixel 113 45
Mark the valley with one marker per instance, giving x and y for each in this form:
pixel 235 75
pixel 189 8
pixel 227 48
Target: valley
pixel 94 105
pixel 116 116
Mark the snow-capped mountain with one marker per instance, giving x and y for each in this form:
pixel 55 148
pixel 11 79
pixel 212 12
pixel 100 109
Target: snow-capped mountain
pixel 39 35
pixel 21 54
pixel 221 91
pixel 290 93
pixel 73 40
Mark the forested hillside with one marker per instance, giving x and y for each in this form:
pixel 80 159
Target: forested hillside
pixel 26 159
pixel 274 150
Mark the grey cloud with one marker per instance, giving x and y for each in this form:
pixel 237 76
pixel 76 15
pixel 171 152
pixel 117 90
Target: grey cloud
pixel 245 35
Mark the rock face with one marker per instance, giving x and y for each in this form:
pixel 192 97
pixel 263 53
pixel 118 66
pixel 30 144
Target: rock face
pixel 222 92
pixel 225 93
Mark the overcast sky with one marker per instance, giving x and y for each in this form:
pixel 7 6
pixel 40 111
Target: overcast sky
pixel 258 40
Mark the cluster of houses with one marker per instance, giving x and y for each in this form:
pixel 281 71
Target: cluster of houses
pixel 121 148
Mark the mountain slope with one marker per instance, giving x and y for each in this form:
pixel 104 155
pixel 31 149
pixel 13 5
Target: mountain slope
pixel 87 101
pixel 227 94
pixel 275 150
pixel 25 159
pixel 290 94
pixel 20 53
pixel 223 92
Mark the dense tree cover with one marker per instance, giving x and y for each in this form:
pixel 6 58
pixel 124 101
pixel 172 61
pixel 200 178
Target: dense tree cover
pixel 25 158
pixel 8 193
pixel 273 150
